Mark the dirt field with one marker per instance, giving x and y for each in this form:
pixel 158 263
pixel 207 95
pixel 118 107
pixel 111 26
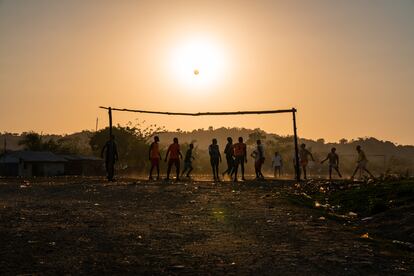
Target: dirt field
pixel 90 226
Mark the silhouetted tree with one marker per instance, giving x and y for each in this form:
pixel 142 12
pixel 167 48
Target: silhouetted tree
pixel 31 141
pixel 132 144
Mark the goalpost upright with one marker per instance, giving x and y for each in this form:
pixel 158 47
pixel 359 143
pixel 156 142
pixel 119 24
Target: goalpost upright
pixel 292 110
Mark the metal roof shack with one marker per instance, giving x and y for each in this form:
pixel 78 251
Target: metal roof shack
pixel 31 163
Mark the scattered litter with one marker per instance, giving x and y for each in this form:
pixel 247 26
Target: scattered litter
pixel 96 204
pixel 365 236
pixel 407 244
pixel 352 214
pixel 367 218
pixel 306 195
pixel 321 218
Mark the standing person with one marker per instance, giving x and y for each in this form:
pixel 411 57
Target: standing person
pixel 362 163
pixel 188 161
pixel 155 157
pixel 303 155
pixel 111 156
pixel 240 154
pixel 215 158
pixel 175 155
pixel 228 151
pixel 333 162
pixel 258 155
pixel 277 163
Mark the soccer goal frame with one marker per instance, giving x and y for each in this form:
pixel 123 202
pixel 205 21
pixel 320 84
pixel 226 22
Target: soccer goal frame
pixel 292 111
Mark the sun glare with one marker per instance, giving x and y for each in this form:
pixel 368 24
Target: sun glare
pixel 197 63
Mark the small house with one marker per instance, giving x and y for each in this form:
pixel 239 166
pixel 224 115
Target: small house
pixel 31 163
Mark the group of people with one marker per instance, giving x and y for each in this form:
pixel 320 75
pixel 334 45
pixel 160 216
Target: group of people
pixel 236 156
pixel 333 160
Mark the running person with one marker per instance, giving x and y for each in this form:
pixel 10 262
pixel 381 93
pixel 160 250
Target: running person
pixel 303 157
pixel 175 155
pixel 155 157
pixel 362 163
pixel 240 155
pixel 228 151
pixel 215 158
pixel 188 161
pixel 333 162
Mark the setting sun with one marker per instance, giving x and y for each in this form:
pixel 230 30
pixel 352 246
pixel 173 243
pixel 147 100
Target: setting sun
pixel 197 63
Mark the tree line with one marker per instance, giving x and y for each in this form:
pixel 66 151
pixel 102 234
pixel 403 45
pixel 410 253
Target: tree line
pixel 133 145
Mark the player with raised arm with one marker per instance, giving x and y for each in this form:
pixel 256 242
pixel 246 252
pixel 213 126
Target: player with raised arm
pixel 333 162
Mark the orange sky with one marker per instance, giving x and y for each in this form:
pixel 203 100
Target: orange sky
pixel 347 66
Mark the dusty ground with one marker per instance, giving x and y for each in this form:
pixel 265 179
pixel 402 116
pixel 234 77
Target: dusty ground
pixel 89 226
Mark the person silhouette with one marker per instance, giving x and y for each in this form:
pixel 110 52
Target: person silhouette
pixel 277 163
pixel 228 151
pixel 215 158
pixel 361 163
pixel 111 156
pixel 303 157
pixel 188 161
pixel 154 157
pixel 258 155
pixel 333 162
pixel 175 154
pixel 240 154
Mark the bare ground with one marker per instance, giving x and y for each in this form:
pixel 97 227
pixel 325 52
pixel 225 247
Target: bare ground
pixel 90 226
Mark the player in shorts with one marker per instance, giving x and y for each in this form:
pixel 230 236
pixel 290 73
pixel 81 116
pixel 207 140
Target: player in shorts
pixel 303 158
pixel 361 163
pixel 155 157
pixel 188 161
pixel 174 154
pixel 277 164
pixel 240 155
pixel 333 162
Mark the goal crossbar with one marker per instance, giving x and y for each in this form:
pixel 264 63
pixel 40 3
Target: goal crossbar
pixel 202 113
pixel 292 110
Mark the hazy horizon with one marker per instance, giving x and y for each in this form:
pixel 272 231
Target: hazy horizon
pixel 349 139
pixel 347 66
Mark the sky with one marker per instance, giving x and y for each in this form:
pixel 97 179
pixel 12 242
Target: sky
pixel 347 66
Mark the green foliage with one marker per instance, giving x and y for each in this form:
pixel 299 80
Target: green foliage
pixel 132 143
pixel 257 134
pixel 31 141
pixel 34 142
